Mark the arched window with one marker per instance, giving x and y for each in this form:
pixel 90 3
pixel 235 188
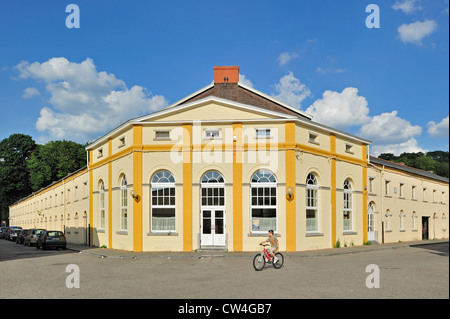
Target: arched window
pixel 163 202
pixel 263 201
pixel 312 203
pixel 123 203
pixel 102 205
pixel 402 226
pixel 348 205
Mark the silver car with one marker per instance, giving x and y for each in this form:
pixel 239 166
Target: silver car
pixel 32 236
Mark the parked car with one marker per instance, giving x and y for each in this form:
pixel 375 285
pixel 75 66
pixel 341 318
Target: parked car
pixel 14 233
pixel 52 238
pixel 32 236
pixel 3 231
pixel 10 231
pixel 21 236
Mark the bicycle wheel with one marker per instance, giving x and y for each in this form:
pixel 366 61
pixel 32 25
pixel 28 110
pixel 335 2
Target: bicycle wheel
pixel 279 262
pixel 258 262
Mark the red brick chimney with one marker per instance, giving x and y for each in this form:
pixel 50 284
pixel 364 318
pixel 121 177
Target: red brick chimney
pixel 226 74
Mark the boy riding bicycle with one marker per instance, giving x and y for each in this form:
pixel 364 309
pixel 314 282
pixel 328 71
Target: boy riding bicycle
pixel 273 249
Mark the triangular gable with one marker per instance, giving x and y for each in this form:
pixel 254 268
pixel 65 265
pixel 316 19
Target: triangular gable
pixel 212 108
pixel 241 93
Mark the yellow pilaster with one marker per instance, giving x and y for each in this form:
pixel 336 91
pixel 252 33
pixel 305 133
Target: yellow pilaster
pixel 137 187
pixel 291 238
pixel 237 188
pixel 333 189
pixel 187 187
pixel 364 201
pixel 110 218
pixel 91 201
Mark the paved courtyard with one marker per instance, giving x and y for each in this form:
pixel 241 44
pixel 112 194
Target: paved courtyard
pixel 405 271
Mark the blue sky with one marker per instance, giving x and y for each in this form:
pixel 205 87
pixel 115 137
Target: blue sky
pixel 129 58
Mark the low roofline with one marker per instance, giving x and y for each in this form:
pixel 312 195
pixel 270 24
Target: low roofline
pixel 404 168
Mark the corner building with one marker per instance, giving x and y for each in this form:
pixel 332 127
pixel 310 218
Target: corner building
pixel 219 168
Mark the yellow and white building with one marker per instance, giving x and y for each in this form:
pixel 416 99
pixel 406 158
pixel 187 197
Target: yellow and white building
pixel 221 167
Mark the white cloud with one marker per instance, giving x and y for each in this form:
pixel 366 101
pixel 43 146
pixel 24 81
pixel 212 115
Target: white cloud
pixel 340 110
pixel 245 81
pixel 85 103
pixel 416 31
pixel 28 93
pixel 291 91
pixel 389 129
pixel 285 57
pixel 407 6
pixel 410 146
pixel 439 129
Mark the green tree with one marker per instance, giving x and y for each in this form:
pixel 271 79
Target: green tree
pixel 53 161
pixel 15 151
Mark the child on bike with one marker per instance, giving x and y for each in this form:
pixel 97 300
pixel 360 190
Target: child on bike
pixel 273 241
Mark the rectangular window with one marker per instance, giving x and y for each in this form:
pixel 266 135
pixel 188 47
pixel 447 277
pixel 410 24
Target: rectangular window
pixel 371 179
pixel 313 138
pixel 312 208
pixel 348 148
pixel 348 206
pixel 264 208
pixel 402 192
pixel 212 134
pixel 386 188
pixel 263 133
pixel 162 135
pixel 413 192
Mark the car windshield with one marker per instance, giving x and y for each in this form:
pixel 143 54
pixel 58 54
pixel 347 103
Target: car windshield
pixel 38 231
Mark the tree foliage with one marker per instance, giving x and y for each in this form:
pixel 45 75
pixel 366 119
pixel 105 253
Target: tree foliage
pixel 437 161
pixel 53 161
pixel 26 166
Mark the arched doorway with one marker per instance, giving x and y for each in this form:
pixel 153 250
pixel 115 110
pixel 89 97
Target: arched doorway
pixel 212 228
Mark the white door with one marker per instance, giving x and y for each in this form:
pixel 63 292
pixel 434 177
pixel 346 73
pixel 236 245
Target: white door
pixel 370 223
pixel 212 210
pixel 213 227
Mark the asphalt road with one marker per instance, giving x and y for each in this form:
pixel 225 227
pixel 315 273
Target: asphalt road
pixel 405 272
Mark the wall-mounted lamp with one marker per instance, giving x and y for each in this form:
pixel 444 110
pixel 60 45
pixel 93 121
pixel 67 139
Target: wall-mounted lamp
pixel 135 196
pixel 289 193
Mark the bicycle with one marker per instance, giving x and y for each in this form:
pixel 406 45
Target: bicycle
pixel 264 257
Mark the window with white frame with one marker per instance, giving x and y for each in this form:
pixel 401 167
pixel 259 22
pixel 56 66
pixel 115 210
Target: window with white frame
pixel 163 201
pixel 312 203
pixel 212 134
pixel 444 222
pixel 402 190
pixel 263 133
pixel 413 192
pixel 102 205
pixel 348 205
pixel 386 188
pixel 263 201
pixel 388 215
pixel 123 203
pixel 402 215
pixel 414 218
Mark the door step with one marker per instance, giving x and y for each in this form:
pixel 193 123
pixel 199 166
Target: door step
pixel 213 248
